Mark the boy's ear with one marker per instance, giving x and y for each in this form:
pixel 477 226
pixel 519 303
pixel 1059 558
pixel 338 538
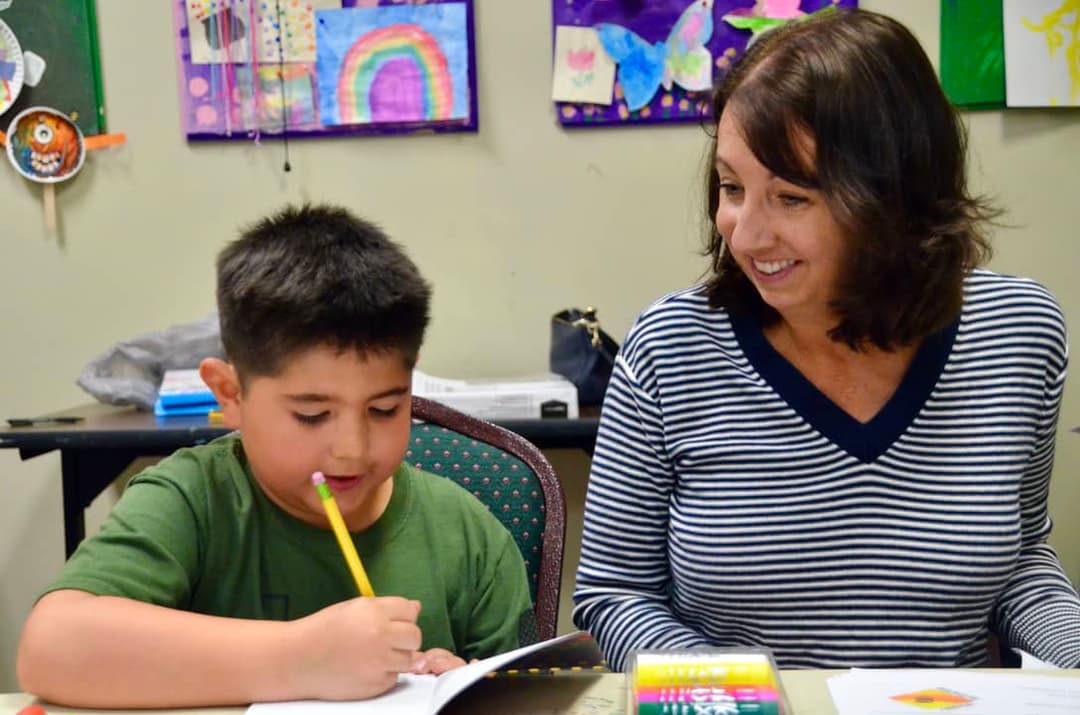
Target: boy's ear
pixel 221 378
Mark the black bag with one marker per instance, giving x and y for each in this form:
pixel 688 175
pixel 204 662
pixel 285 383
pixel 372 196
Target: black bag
pixel 582 353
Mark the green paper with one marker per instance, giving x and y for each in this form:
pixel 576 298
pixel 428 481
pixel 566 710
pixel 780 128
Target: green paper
pixel 973 53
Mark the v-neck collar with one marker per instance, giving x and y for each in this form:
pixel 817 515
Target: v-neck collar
pixel 864 441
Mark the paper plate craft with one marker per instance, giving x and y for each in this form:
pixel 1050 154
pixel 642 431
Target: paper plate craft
pixel 45 146
pixel 11 67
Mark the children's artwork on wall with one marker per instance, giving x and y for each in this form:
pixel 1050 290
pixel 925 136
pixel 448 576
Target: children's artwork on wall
pixel 392 64
pixel 11 67
pixel 325 67
pixel 668 53
pixel 45 146
pixel 50 88
pixel 973 53
pixel 1042 53
pixel 584 72
pixel 59 46
pixel 286 95
pixel 299 21
pixel 221 29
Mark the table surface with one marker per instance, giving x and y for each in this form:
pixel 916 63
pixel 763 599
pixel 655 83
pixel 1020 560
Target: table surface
pixel 95 450
pixel 110 426
pixel 574 694
pixel 582 694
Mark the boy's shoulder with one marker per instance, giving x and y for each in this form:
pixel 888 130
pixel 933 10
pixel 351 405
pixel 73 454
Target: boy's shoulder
pixel 444 500
pixel 441 490
pixel 201 468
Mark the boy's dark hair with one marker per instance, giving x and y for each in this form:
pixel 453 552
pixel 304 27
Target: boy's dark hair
pixel 889 159
pixel 317 275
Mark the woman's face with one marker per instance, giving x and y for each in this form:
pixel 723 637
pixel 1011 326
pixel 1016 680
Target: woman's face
pixel 783 236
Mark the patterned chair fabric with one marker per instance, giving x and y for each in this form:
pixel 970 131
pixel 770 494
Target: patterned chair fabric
pixel 516 482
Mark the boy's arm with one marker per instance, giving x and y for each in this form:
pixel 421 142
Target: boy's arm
pixel 84 650
pixel 502 601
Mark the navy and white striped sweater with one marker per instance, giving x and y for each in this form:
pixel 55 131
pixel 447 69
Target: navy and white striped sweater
pixel 732 504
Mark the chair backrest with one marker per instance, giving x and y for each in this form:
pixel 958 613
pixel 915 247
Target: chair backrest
pixel 513 478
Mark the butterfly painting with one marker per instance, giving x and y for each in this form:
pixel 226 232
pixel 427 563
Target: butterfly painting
pixel 664 56
pixel 682 59
pixel 766 15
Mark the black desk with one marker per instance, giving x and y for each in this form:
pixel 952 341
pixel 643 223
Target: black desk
pixel 95 451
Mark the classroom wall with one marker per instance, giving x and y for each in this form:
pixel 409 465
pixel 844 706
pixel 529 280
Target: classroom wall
pixel 510 224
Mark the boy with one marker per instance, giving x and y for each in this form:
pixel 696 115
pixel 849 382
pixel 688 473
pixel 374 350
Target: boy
pixel 216 579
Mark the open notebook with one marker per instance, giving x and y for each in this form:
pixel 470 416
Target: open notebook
pixel 428 694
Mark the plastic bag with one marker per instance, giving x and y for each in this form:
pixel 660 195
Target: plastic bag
pixel 130 373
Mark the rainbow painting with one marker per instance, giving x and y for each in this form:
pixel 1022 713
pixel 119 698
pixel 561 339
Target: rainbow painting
pixel 399 64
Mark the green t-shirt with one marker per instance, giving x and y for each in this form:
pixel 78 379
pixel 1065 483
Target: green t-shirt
pixel 196 532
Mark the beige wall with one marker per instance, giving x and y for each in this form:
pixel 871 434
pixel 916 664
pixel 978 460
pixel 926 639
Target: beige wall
pixel 511 224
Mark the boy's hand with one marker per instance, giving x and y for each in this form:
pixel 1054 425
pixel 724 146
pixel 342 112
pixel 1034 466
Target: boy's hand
pixel 355 649
pixel 435 661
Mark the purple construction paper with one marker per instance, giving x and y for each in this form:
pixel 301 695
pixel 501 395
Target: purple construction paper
pixel 208 92
pixel 653 20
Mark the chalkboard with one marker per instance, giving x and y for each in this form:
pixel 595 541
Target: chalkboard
pixel 64 33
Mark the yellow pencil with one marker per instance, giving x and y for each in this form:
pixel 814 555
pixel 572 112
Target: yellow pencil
pixel 343 538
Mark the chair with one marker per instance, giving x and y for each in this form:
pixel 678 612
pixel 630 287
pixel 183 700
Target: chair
pixel 516 482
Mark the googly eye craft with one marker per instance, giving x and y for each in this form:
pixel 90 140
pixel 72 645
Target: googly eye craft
pixel 45 146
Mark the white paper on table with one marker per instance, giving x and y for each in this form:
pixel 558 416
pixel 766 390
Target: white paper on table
pixel 410 696
pixel 413 694
pixel 873 692
pixel 1030 662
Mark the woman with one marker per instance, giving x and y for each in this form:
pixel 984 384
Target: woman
pixel 839 446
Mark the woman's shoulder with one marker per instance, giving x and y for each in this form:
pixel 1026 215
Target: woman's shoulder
pixel 1002 304
pixel 687 309
pixel 988 291
pixel 983 282
pixel 681 326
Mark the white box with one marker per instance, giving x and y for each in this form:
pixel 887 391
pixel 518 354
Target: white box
pixel 530 397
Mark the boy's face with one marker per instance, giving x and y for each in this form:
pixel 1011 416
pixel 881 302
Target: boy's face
pixel 336 412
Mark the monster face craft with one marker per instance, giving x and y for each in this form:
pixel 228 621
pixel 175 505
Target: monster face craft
pixel 45 146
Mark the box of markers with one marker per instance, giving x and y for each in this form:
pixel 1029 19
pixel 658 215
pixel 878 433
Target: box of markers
pixel 704 681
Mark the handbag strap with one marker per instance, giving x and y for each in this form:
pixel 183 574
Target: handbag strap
pixel 587 320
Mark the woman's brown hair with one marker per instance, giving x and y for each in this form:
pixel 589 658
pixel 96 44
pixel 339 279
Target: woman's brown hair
pixel 889 158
